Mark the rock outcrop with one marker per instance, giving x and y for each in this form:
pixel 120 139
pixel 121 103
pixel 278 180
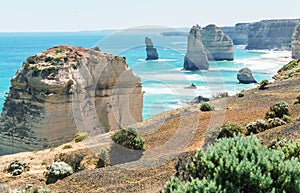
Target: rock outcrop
pixel 66 90
pixel 241 31
pixel 217 44
pixel 271 34
pixel 245 76
pixel 228 30
pixel 151 51
pixel 296 43
pixel 195 58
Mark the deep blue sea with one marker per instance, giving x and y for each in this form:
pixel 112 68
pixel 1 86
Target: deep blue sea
pixel 163 81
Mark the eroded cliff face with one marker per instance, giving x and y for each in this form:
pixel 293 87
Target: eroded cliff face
pixel 217 44
pixel 66 90
pixel 271 34
pixel 195 58
pixel 296 43
pixel 241 31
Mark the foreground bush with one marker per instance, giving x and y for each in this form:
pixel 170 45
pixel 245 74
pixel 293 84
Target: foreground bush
pixel 239 165
pixel 289 148
pixel 230 129
pixel 127 137
pixel 206 107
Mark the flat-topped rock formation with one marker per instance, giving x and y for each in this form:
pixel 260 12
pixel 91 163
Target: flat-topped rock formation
pixel 195 58
pixel 241 31
pixel 65 90
pixel 217 44
pixel 296 43
pixel 151 51
pixel 271 34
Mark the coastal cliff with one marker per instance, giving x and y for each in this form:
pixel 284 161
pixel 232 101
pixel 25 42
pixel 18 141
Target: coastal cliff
pixel 296 43
pixel 218 45
pixel 195 58
pixel 65 90
pixel 241 31
pixel 271 34
pixel 151 51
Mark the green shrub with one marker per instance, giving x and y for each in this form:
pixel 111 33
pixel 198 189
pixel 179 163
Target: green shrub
pixel 127 137
pixel 230 129
pixel 292 64
pixel 67 147
pixel 287 118
pixel 256 127
pixel 280 109
pixel 58 51
pixel 238 165
pixel 263 84
pixel 206 107
pixel 58 170
pixel 241 94
pixel 80 137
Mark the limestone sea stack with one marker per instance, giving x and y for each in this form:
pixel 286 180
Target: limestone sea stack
pixel 151 51
pixel 217 44
pixel 195 58
pixel 245 76
pixel 65 90
pixel 296 43
pixel 271 34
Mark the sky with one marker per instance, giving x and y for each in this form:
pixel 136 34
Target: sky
pixel 81 15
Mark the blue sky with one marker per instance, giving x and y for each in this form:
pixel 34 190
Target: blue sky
pixel 76 15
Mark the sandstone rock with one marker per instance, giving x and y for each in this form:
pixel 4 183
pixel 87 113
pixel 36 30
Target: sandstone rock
pixel 271 34
pixel 66 90
pixel 217 44
pixel 228 30
pixel 245 76
pixel 241 31
pixel 296 43
pixel 151 51
pixel 195 58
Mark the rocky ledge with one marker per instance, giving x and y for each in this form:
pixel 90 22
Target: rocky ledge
pixel 296 43
pixel 65 90
pixel 195 58
pixel 217 44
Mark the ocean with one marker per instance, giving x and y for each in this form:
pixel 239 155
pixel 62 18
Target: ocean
pixel 162 80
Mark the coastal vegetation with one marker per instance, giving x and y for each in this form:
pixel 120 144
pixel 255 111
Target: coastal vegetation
pixel 128 137
pixel 206 107
pixel 80 137
pixel 238 164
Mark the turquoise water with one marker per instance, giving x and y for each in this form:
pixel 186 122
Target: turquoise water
pixel 163 81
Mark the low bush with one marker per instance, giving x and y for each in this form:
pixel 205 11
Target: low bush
pixel 278 110
pixel 263 84
pixel 67 147
pixel 127 137
pixel 80 137
pixel 230 129
pixel 58 170
pixel 103 158
pixel 290 148
pixel 240 94
pixel 238 165
pixel 287 118
pixel 275 122
pixel 256 127
pixel 206 107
